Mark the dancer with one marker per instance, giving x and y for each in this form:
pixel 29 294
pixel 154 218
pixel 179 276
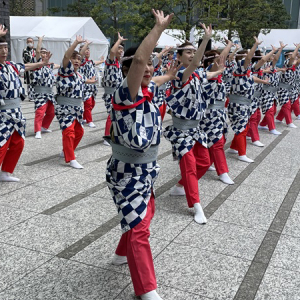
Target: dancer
pixel 12 122
pixel 187 104
pixel 294 94
pixel 70 88
pixel 112 78
pixel 42 81
pixel 285 88
pixel 133 168
pixel 269 93
pixel 240 102
pixel 87 68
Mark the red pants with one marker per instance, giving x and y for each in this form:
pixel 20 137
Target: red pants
pixel 71 137
pixel 285 112
pixel 227 102
pixel 268 119
pixel 253 125
pixel 295 108
pixel 10 152
pixel 239 142
pixel 89 104
pixel 193 165
pixel 162 110
pixel 135 245
pixel 44 116
pixel 107 126
pixel 217 156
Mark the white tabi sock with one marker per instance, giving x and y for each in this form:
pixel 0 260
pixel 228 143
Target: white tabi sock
pixel 38 135
pixel 298 117
pixel 211 168
pixel 291 125
pixel 262 127
pixel 151 296
pixel 278 121
pixel 245 159
pixel 6 177
pixel 119 260
pixel 46 130
pixel 225 178
pixel 248 137
pixel 230 150
pixel 177 191
pixel 258 144
pixel 274 131
pixel 76 165
pixel 106 143
pixel 199 216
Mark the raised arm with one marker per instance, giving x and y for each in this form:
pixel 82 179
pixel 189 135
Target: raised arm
pixel 44 62
pixel 199 53
pixel 251 52
pixel 39 46
pixel 293 57
pixel 142 55
pixel 70 51
pixel 114 49
pixel 82 51
pixel 232 55
pixel 276 58
pixel 265 58
pixel 223 55
pixel 98 62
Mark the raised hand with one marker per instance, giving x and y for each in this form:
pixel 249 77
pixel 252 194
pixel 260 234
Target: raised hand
pixel 257 41
pixel 121 38
pixel 162 21
pixel 173 69
pixel 297 45
pixel 282 45
pixel 40 38
pixel 274 48
pixel 3 31
pixel 207 30
pixel 79 39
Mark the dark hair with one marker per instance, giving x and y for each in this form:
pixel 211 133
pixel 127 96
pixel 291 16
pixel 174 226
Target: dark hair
pixel 208 61
pixel 287 53
pixel 257 53
pixel 186 44
pixel 43 49
pixel 239 55
pixel 127 63
pixel 29 38
pixel 122 44
pixel 2 39
pixel 75 53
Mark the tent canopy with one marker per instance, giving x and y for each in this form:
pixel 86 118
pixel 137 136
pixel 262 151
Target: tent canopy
pixel 59 33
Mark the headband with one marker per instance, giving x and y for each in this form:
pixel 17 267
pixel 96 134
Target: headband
pixel 186 48
pixel 3 43
pixel 132 56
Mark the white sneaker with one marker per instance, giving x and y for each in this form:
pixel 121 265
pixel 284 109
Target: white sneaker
pixel 106 143
pixel 248 137
pixel 38 135
pixel 258 144
pixel 225 178
pixel 177 191
pixel 151 296
pixel 6 177
pixel 75 164
pixel 119 260
pixel 291 125
pixel 262 127
pixel 211 168
pixel 46 130
pixel 91 124
pixel 230 150
pixel 245 159
pixel 274 131
pixel 278 121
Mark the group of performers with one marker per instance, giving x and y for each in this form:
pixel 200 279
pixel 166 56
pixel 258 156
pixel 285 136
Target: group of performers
pixel 200 89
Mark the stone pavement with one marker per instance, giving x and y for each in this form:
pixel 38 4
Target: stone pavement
pixel 59 229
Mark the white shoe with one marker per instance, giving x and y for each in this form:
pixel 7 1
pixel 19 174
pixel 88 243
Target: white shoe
pixel 225 178
pixel 91 124
pixel 46 130
pixel 245 159
pixel 230 150
pixel 177 191
pixel 291 125
pixel 274 131
pixel 262 127
pixel 199 216
pixel 83 121
pixel 248 137
pixel 258 144
pixel 75 164
pixel 278 121
pixel 119 260
pixel 151 296
pixel 6 177
pixel 38 135
pixel 298 117
pixel 106 143
pixel 211 168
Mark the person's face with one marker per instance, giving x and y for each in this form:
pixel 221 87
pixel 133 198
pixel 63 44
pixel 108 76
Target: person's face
pixel 148 73
pixel 43 54
pixel 87 53
pixel 76 61
pixel 186 57
pixel 3 53
pixel 30 43
pixel 170 56
pixel 120 52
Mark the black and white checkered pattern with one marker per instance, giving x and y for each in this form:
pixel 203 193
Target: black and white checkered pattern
pixel 136 128
pixel 287 77
pixel 87 68
pixel 238 115
pixel 227 75
pixel 112 77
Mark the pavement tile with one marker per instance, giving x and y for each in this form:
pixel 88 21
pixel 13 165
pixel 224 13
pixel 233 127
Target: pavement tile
pixel 292 226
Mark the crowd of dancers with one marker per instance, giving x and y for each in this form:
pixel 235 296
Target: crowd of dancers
pixel 203 91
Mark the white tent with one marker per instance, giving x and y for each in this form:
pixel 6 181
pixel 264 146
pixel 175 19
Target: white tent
pixel 59 33
pixel 287 36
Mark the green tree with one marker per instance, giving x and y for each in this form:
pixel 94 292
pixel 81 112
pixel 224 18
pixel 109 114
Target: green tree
pixel 80 8
pixel 20 8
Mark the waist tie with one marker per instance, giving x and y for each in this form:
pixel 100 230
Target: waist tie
pixel 270 88
pixel 10 103
pixel 217 105
pixel 285 86
pixel 184 124
pixel 239 99
pixel 257 94
pixel 61 100
pixel 43 89
pixel 130 156
pixel 109 90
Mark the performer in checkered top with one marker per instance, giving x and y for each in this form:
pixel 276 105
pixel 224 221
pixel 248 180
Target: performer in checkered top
pixel 112 77
pixel 214 121
pixel 294 94
pixel 70 88
pixel 133 169
pixel 42 80
pixel 187 102
pixel 87 68
pixel 12 122
pixel 286 83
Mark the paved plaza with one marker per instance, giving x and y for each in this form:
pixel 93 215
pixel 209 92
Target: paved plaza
pixel 59 227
